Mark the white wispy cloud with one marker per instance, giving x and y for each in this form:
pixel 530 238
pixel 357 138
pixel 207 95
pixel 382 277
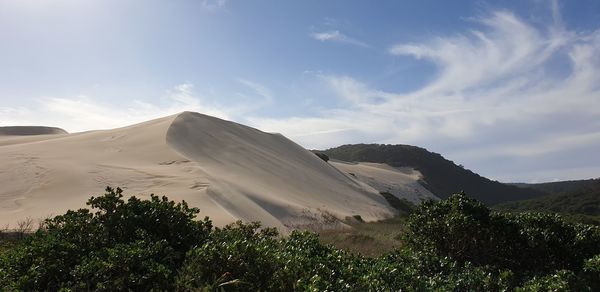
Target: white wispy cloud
pixel 213 5
pixel 496 97
pixel 337 36
pixel 355 92
pixel 81 113
pixel 514 100
pixel 510 47
pixel 84 112
pixel 258 89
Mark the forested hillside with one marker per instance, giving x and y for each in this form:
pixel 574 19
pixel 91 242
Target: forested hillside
pixel 559 186
pixel 583 203
pixel 441 176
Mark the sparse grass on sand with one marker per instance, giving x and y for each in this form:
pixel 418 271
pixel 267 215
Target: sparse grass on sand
pixel 367 238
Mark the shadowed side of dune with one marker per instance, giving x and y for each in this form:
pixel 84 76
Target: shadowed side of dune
pixel 261 176
pixel 30 131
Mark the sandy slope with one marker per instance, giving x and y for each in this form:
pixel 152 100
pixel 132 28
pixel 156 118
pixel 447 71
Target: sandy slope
pixel 403 182
pixel 228 170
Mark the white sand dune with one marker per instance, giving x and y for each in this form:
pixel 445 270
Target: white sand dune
pixel 228 170
pixel 402 182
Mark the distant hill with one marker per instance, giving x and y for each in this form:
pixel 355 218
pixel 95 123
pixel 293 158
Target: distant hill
pixel 560 186
pixel 441 176
pixel 583 201
pixel 30 130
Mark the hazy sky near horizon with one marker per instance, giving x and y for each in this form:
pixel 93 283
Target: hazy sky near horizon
pixel 509 89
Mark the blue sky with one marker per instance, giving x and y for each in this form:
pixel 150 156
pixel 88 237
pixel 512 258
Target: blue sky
pixel 510 89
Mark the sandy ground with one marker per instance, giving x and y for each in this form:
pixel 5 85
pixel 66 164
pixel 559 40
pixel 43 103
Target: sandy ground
pixel 228 170
pixel 403 182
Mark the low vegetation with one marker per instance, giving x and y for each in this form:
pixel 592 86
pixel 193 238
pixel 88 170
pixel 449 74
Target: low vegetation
pixel 322 156
pixel 370 239
pixel 403 206
pixel 457 244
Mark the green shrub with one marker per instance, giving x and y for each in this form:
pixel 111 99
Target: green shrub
pixel 154 245
pixel 237 257
pixel 144 265
pixel 563 280
pixel 318 267
pixel 138 245
pixel 530 246
pixel 466 230
pixel 409 270
pixel 591 272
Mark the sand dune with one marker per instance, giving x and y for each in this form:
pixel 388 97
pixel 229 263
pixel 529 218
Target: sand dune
pixel 403 182
pixel 228 170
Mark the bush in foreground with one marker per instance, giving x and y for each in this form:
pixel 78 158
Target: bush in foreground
pixel 138 245
pixel 452 245
pixel 527 244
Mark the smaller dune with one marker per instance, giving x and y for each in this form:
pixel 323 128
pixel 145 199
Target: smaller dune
pixel 30 131
pixel 402 182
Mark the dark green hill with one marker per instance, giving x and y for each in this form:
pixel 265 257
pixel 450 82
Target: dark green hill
pixel 559 187
pixel 30 130
pixel 441 176
pixel 584 201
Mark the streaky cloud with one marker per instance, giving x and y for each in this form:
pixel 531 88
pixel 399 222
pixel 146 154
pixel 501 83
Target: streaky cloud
pixel 337 36
pixel 494 97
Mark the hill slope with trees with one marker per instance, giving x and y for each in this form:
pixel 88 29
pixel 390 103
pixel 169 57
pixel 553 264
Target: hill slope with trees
pixel 441 176
pixel 30 131
pixel 583 203
pixel 559 187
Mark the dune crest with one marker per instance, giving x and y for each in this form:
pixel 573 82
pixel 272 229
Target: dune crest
pixel 229 171
pixel 258 174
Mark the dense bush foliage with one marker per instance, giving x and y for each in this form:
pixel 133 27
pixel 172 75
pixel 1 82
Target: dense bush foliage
pixel 138 244
pixel 453 245
pixel 467 231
